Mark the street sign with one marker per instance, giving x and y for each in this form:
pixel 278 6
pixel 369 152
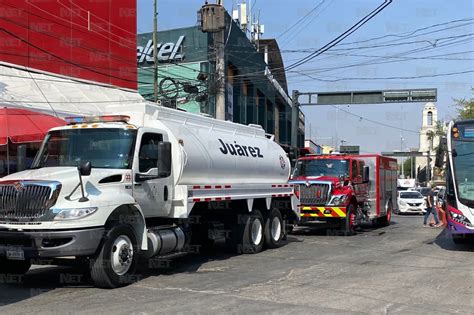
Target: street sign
pixel 366 97
pixel 349 149
pixel 404 154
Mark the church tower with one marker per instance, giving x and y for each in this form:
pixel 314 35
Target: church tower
pixel 430 117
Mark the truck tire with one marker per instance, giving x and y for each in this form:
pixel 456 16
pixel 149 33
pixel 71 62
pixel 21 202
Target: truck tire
pixel 115 263
pixel 248 234
pixel 385 220
pixel 348 223
pixel 275 231
pixel 14 267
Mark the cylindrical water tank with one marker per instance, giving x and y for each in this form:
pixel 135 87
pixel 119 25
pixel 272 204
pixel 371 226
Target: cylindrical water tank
pixel 219 152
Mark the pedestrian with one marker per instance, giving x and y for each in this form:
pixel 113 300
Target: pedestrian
pixel 431 208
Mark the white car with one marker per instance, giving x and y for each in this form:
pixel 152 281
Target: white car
pixel 411 202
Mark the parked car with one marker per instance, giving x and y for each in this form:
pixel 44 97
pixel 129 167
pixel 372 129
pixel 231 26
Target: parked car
pixel 411 202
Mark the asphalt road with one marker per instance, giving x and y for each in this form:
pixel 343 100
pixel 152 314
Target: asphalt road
pixel 403 268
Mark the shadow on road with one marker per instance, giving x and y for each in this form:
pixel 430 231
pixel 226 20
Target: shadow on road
pixel 39 280
pixel 445 241
pixel 43 279
pixel 316 230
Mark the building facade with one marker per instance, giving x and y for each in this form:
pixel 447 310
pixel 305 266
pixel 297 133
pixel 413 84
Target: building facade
pixel 428 142
pixel 187 78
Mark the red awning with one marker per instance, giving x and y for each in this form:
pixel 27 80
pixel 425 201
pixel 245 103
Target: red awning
pixel 22 126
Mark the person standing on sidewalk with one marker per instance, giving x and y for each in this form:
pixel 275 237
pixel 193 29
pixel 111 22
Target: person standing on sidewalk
pixel 430 200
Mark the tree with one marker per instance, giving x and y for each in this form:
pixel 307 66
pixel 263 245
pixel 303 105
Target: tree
pixel 438 132
pixel 465 108
pixel 407 164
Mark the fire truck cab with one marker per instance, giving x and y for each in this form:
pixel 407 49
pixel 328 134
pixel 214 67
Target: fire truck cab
pixel 344 191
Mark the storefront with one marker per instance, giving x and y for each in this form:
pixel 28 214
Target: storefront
pixel 187 78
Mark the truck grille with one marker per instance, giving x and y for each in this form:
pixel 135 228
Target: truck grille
pixel 27 200
pixel 314 194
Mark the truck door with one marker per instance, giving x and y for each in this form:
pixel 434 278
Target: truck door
pixel 152 192
pixel 360 188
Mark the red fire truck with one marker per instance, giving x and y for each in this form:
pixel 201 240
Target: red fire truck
pixel 344 191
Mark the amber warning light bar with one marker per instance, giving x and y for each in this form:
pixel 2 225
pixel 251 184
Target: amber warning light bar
pixel 97 119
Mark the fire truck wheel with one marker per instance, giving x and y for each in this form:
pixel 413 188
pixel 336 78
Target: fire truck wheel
pixel 14 267
pixel 274 229
pixel 385 220
pixel 348 223
pixel 248 234
pixel 115 263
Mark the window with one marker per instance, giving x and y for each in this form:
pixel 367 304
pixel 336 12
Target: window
pixel 103 147
pixel 354 169
pixel 148 156
pixel 430 118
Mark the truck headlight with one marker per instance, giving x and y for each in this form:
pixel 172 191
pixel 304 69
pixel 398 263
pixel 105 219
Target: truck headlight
pixel 338 200
pixel 75 213
pixel 460 218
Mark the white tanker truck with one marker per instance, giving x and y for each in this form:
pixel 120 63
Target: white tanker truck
pixel 150 182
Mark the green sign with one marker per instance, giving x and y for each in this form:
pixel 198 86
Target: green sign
pixel 349 149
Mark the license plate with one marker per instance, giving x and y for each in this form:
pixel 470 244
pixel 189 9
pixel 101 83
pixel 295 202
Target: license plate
pixel 15 254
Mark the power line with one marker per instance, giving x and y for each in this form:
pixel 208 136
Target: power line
pixel 316 7
pixel 389 78
pixel 305 25
pixel 341 37
pixel 382 59
pixel 373 121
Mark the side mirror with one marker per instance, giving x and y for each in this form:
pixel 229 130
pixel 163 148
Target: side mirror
pixel 439 161
pixel 85 168
pixel 164 159
pixel 366 174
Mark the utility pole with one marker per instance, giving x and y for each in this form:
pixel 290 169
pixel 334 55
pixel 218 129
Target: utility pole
pixel 220 74
pixel 213 21
pixel 294 119
pixel 155 51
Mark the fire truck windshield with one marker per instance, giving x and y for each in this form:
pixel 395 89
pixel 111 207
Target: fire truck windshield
pixel 103 147
pixel 321 167
pixel 463 160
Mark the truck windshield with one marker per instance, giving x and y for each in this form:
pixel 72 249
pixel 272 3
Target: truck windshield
pixel 322 167
pixel 104 148
pixel 463 159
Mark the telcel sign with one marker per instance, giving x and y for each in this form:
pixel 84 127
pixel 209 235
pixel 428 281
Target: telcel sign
pixel 166 52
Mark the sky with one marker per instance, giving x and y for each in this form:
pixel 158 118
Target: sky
pixel 416 54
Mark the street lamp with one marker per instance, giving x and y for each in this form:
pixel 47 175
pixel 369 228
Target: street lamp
pixel 342 143
pixel 401 158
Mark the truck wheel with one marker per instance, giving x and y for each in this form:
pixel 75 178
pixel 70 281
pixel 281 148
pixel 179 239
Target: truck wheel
pixel 348 223
pixel 248 236
pixel 385 220
pixel 115 264
pixel 14 267
pixel 275 230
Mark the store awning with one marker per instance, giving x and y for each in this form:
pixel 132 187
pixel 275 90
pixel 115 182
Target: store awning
pixel 23 126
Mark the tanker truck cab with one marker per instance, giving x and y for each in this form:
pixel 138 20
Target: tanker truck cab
pixel 155 182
